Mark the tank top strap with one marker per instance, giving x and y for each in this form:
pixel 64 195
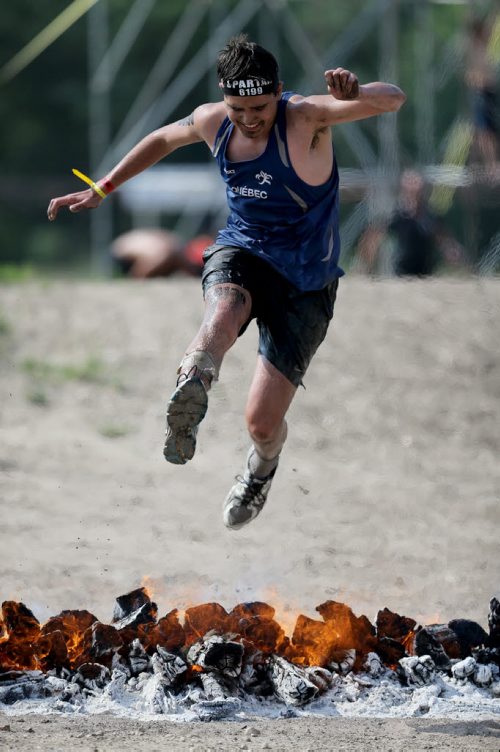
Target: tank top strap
pixel 223 133
pixel 280 128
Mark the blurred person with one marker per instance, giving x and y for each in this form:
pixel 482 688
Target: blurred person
pixel 277 258
pixel 416 238
pixel 154 252
pixel 480 76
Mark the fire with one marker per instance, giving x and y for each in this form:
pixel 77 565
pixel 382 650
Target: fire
pixel 153 587
pixel 74 638
pixel 316 643
pixel 408 642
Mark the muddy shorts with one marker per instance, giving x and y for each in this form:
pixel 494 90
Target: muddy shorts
pixel 292 323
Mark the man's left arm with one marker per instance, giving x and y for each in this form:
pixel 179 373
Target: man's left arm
pixel 349 100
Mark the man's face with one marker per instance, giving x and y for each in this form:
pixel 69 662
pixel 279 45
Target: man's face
pixel 253 116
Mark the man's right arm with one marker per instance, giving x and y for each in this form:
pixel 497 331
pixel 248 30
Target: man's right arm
pixel 154 147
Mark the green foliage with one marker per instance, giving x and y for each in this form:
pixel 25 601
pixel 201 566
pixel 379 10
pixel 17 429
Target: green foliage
pixel 5 327
pixel 10 273
pixel 92 370
pixel 112 431
pixel 38 397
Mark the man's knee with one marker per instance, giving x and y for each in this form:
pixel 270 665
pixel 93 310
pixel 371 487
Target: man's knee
pixel 263 427
pixel 227 307
pixel 228 298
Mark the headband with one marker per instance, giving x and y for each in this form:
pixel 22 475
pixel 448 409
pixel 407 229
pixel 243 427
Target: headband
pixel 247 87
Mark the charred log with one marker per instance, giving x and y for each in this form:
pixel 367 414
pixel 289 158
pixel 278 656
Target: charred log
pixel 313 642
pixel 51 651
pixel 198 620
pixel 255 623
pixel 494 623
pixel 353 632
pixel 127 604
pixel 483 676
pixel 168 633
pixel 138 659
pixel 101 642
pixel 72 625
pixel 168 665
pixel 244 651
pixel 214 653
pixel 213 689
pixel 373 665
pixel 21 685
pixel 465 669
pixel 19 621
pixel 217 703
pixel 394 626
pixel 317 643
pixel 416 670
pixel 291 684
pixel 390 651
pixel 23 630
pixel 430 641
pixel 469 669
pixel 145 614
pixel 92 676
pixel 254 677
pixel 486 655
pixel 469 635
pixel 343 661
pixel 320 677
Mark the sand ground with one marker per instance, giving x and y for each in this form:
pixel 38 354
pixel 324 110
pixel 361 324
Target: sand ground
pixel 387 493
pixel 110 734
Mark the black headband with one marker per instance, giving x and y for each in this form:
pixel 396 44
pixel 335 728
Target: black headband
pixel 247 87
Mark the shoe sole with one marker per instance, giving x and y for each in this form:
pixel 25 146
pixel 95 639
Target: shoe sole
pixel 186 409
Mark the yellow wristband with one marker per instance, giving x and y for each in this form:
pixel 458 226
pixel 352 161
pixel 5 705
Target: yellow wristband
pixel 90 182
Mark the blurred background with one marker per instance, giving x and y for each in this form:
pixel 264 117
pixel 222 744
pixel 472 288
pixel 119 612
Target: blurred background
pixel 81 82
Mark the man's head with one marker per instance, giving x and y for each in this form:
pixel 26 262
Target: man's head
pixel 248 77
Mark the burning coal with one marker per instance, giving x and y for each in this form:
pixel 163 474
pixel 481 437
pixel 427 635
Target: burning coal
pixel 214 659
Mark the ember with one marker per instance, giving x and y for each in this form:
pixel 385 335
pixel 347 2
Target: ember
pixel 216 658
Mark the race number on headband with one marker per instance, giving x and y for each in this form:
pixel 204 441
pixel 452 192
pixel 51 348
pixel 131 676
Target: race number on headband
pixel 247 87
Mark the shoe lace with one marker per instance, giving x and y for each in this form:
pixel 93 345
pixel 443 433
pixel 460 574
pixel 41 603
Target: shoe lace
pixel 195 372
pixel 252 490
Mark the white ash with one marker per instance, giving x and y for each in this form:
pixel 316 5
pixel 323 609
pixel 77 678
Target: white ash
pixel 373 665
pixel 168 665
pixel 479 673
pixel 139 660
pixel 291 683
pixel 470 694
pixel 418 670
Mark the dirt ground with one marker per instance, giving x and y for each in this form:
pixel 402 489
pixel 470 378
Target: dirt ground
pixel 111 734
pixel 387 493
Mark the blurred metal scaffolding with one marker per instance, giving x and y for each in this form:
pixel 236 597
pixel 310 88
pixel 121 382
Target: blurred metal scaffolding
pixel 376 165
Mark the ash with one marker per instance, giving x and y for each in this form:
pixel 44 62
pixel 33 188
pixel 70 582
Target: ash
pixel 245 667
pixel 148 697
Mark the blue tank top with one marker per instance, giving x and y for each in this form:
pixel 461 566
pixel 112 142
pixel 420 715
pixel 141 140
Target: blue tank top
pixel 276 215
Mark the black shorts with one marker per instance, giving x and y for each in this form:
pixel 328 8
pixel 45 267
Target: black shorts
pixel 292 323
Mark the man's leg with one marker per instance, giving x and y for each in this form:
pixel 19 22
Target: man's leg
pixel 270 396
pixel 227 308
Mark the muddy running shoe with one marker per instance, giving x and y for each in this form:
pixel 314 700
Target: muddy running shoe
pixel 185 411
pixel 246 499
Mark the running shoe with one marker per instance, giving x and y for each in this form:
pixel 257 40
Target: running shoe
pixel 186 409
pixel 246 499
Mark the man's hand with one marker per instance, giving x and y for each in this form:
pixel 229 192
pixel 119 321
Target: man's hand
pixel 342 84
pixel 88 199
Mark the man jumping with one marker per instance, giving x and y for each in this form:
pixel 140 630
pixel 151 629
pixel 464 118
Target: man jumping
pixel 277 258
